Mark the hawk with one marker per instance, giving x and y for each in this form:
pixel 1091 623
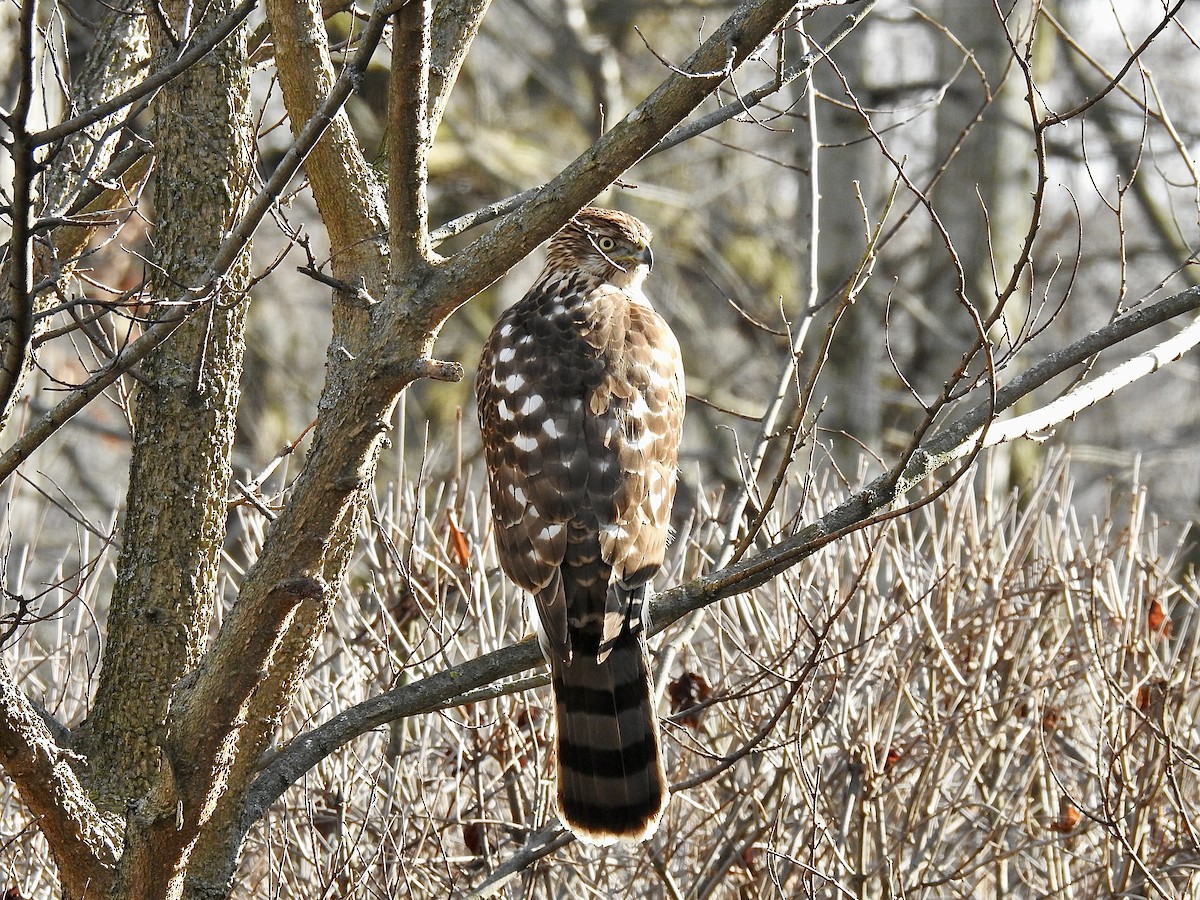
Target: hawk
pixel 580 395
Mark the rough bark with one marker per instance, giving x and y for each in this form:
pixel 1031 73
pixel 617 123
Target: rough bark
pixel 352 207
pixel 85 844
pixel 184 426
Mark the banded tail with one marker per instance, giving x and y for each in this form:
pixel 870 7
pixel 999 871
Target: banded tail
pixel 611 782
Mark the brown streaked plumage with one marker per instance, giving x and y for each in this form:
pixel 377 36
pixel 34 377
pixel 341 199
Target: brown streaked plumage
pixel 580 393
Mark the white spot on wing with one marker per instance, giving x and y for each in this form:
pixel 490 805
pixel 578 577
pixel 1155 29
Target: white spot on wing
pixel 645 439
pixel 532 404
pixel 506 355
pixel 525 443
pixel 513 383
pixel 611 430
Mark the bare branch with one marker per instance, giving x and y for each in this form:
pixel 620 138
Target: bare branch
pixel 1091 392
pixel 409 140
pixel 455 24
pixel 427 695
pixel 18 332
pixel 343 184
pixel 541 844
pixel 85 843
pixel 677 135
pixel 1059 118
pixel 747 101
pixel 633 137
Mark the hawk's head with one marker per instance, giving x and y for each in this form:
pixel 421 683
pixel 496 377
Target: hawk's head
pixel 606 243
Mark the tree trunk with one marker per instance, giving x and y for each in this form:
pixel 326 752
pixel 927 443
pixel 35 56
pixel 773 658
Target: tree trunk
pixel 983 202
pixel 350 201
pixel 184 421
pixel 855 373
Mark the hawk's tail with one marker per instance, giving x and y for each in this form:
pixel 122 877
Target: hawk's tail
pixel 611 782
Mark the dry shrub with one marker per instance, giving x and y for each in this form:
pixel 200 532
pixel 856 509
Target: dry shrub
pixel 981 699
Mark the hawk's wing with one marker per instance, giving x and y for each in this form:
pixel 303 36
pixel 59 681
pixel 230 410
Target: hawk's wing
pixel 580 405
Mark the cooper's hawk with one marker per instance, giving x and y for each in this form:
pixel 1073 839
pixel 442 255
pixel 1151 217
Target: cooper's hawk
pixel 580 393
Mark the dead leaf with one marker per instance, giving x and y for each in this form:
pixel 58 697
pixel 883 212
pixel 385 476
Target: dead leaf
pixel 460 547
pixel 1157 619
pixel 1068 817
pixel 688 693
pixel 891 758
pixel 473 837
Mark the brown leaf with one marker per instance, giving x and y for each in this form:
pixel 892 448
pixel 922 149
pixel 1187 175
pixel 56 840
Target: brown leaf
pixel 1143 697
pixel 473 837
pixel 892 757
pixel 1068 817
pixel 688 692
pixel 460 547
pixel 530 718
pixel 1157 619
pixel 750 859
pixel 1150 697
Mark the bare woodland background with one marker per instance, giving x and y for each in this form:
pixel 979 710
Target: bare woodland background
pixel 991 694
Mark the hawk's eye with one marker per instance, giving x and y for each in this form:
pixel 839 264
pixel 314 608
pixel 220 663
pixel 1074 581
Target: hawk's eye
pixel 606 244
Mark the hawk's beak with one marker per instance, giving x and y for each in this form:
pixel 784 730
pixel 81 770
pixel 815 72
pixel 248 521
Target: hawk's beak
pixel 645 255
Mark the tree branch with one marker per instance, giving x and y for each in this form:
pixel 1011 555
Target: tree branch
pixel 1091 392
pixel 1136 55
pixel 424 696
pixel 408 140
pixel 455 24
pixel 69 175
pixel 746 102
pixel 19 287
pixel 344 185
pixel 191 300
pixel 493 254
pixel 203 719
pixel 678 134
pixel 85 845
